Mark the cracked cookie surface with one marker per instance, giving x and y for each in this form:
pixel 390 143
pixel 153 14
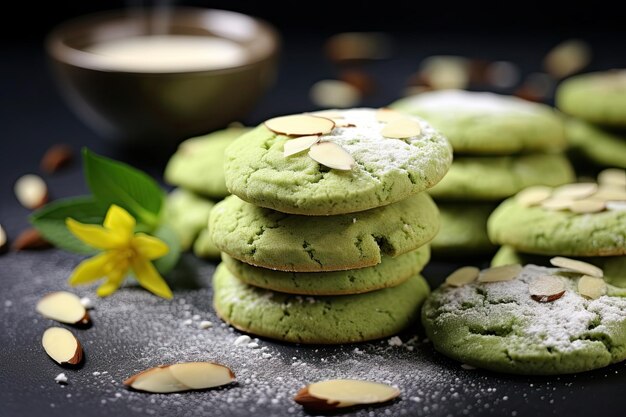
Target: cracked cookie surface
pixel 540 231
pixel 473 178
pixel 389 273
pixel 289 242
pixel 326 320
pixel 198 163
pixel 386 171
pixel 498 326
pixel 487 123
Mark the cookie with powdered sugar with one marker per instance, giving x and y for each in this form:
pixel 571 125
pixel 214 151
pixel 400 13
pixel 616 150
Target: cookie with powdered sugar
pixel 487 123
pixel 537 321
pixel 336 162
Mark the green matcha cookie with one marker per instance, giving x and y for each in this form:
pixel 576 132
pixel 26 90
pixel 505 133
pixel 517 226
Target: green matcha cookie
pixel 598 97
pixel 498 177
pixel 389 273
pixel 463 230
pixel 288 242
pixel 385 170
pixel 549 232
pixel 198 164
pixel 486 123
pixel 327 320
pixel 602 146
pixel 187 214
pixel 204 246
pixel 614 267
pixel 498 326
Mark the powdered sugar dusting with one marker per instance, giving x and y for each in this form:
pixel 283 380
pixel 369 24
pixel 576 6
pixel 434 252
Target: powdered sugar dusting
pixel 470 102
pixel 563 324
pixel 378 154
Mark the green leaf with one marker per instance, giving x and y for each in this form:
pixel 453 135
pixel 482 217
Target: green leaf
pixel 113 182
pixel 50 221
pixel 169 261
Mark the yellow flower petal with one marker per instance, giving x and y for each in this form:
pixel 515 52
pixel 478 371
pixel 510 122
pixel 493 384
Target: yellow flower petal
pixel 91 269
pixel 111 285
pixel 96 236
pixel 120 221
pixel 149 247
pixel 149 278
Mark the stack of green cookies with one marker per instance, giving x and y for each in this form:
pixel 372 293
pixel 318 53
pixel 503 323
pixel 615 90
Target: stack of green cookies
pixel 583 220
pixel 597 102
pixel 197 169
pixel 502 144
pixel 327 230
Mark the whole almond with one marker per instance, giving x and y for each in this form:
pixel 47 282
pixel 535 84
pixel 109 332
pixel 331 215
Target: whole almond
pixel 359 80
pixel 30 239
pixel 56 157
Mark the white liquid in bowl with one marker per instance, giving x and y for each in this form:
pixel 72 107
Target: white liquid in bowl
pixel 168 53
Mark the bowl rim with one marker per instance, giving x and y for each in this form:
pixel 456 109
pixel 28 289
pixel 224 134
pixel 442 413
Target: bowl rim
pixel 57 48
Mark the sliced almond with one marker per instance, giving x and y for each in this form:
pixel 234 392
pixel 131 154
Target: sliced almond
pixel 577 266
pixel 157 380
pixel 334 93
pixel 546 288
pixel 341 393
pixel 62 346
pixel 616 205
pixel 202 375
pixel 300 125
pixel 331 155
pixel 556 204
pixel 500 273
pixel 181 377
pixel 575 191
pixel 4 243
pixel 31 191
pixel 384 115
pixel 401 128
pixel 591 287
pixel 30 239
pixel 298 145
pixel 56 157
pixel 610 193
pixel 587 206
pixel 462 276
pixel 63 307
pixel 567 58
pixel 533 196
pixel 612 177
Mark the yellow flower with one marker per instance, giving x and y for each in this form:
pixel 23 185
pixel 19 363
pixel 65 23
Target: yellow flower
pixel 123 250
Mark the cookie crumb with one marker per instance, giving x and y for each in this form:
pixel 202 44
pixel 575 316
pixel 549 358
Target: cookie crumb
pixel 395 341
pixel 205 324
pixel 87 303
pixel 242 340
